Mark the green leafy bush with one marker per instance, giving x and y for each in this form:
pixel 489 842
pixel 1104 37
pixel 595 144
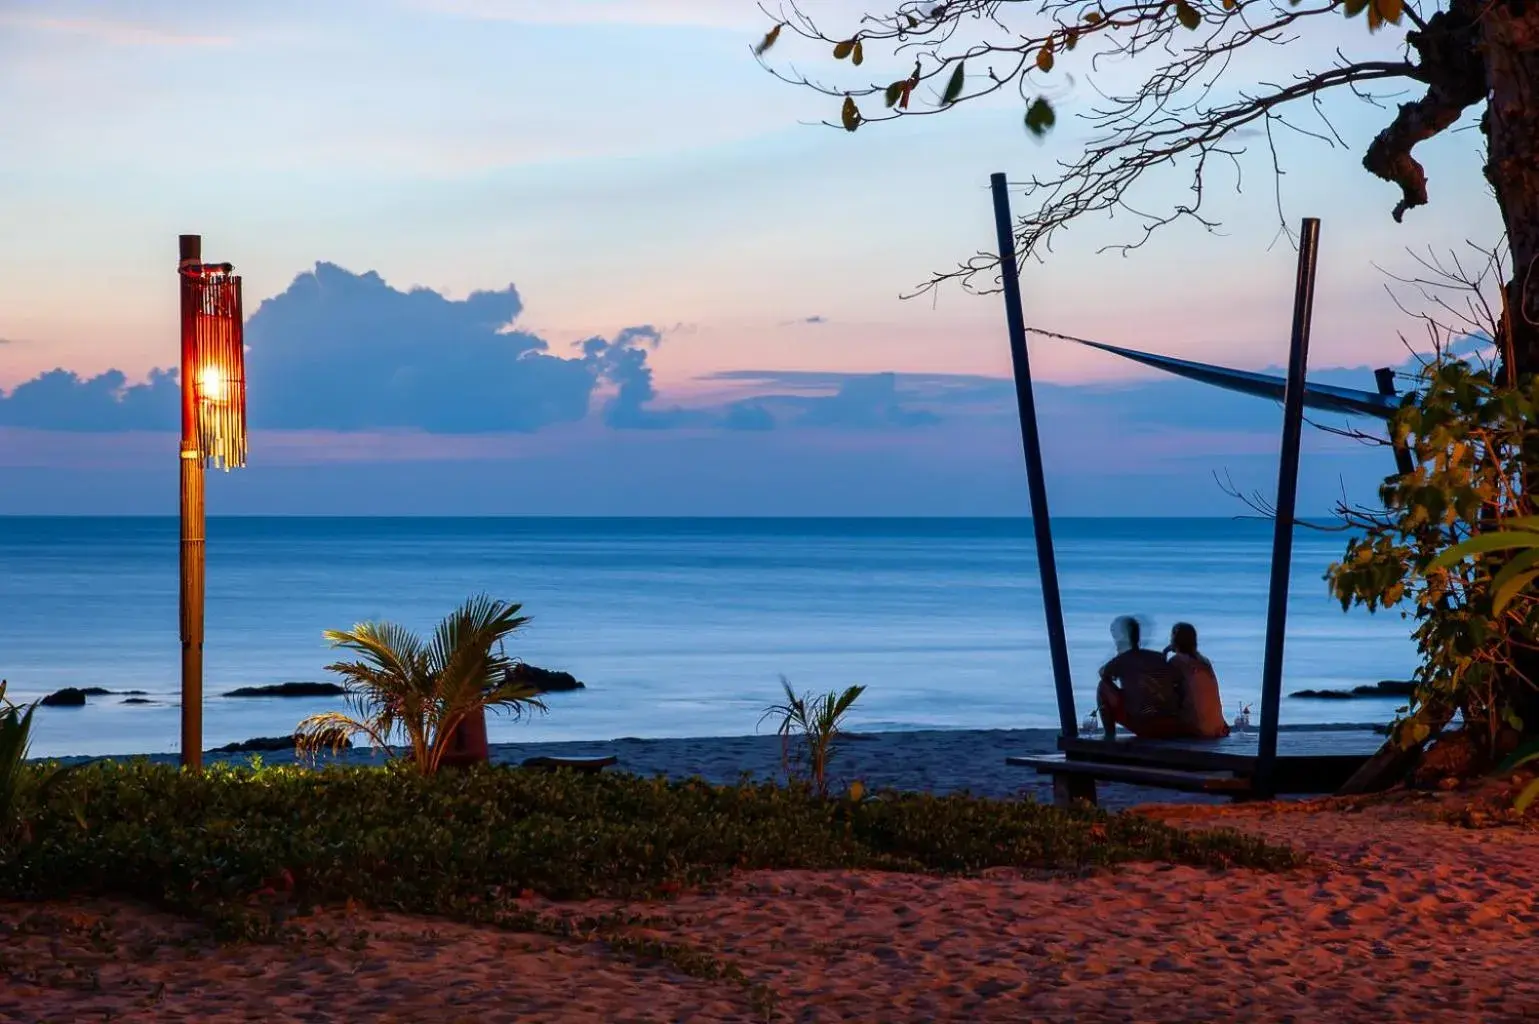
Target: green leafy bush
pixel 1473 442
pixel 231 844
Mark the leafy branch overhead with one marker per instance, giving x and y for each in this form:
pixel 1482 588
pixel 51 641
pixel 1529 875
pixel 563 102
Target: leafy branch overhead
pixel 969 49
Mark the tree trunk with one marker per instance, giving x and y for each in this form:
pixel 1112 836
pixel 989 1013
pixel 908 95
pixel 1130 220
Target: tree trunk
pixel 1510 34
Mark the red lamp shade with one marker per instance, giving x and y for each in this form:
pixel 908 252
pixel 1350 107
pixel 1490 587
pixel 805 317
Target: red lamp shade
pixel 213 365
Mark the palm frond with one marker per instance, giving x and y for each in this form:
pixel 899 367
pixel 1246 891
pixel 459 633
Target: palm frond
pixel 332 729
pixel 462 643
pixel 514 698
pixel 390 647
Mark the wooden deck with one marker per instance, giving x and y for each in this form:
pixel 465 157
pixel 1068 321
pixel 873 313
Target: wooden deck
pixel 1308 761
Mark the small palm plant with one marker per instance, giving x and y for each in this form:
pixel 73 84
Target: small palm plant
pixel 422 688
pixel 818 722
pixel 15 738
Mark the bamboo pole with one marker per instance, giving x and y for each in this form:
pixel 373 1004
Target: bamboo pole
pixel 192 517
pixel 1287 501
pixel 1031 447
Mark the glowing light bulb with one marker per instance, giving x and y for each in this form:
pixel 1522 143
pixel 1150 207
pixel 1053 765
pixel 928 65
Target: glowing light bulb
pixel 211 384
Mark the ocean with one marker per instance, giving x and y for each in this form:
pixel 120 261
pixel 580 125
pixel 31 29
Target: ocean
pixel 679 627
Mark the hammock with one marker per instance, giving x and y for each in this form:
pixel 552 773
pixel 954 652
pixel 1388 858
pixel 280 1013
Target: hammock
pixel 1328 397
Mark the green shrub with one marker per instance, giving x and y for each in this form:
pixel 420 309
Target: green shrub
pixel 219 844
pixel 1473 442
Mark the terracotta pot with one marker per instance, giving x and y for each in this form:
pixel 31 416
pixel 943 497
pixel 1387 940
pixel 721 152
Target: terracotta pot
pixel 467 743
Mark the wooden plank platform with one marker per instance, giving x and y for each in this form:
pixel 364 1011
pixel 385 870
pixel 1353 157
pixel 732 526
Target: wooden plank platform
pixel 1226 783
pixel 1308 761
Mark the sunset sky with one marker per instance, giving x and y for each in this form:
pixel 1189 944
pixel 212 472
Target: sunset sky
pixel 625 164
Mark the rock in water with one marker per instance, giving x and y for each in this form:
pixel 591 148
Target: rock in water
pixel 69 697
pixel 1383 688
pixel 289 690
pixel 263 744
pixel 544 680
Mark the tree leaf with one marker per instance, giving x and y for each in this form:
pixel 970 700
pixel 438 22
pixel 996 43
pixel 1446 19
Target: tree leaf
pixel 844 49
pixel 857 55
pixel 1521 756
pixel 849 114
pixel 768 41
pixel 1187 15
pixel 1353 8
pixel 954 87
pixel 1482 543
pixel 1389 11
pixel 1045 56
pixel 1040 117
pixel 1071 38
pixel 913 22
pixel 895 91
pixel 1528 796
pixel 1508 587
pixel 1096 17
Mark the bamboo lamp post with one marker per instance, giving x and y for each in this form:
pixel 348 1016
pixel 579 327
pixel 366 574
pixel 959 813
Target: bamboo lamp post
pixel 213 379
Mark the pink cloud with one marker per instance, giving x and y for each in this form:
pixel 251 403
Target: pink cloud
pixel 114 33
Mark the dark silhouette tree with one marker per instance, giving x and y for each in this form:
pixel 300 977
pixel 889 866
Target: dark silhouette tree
pixel 1459 57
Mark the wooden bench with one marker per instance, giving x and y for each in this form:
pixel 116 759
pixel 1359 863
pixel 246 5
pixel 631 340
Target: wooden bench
pixel 591 765
pixel 1308 761
pixel 1061 766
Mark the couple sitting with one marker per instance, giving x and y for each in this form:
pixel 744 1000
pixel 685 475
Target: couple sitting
pixel 1160 698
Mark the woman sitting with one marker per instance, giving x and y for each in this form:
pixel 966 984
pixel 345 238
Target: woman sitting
pixel 1202 713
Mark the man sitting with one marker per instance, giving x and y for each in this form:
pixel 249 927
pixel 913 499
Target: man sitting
pixel 1148 701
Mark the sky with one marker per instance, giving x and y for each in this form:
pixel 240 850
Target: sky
pixel 589 258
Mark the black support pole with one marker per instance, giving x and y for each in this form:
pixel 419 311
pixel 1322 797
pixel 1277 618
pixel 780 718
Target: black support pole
pixel 1287 502
pixel 1384 377
pixel 1042 526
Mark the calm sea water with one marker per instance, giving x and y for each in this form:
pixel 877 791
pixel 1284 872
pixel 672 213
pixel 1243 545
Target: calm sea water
pixel 679 627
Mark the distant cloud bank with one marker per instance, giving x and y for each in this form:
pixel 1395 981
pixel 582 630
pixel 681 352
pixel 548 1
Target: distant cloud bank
pixel 348 352
pixel 344 352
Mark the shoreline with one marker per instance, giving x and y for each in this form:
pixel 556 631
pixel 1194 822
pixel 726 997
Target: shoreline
pixel 937 761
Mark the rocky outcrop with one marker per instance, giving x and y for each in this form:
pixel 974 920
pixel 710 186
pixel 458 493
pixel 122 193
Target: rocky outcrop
pixel 75 696
pixel 544 680
pixel 289 690
pixel 1384 688
pixel 263 744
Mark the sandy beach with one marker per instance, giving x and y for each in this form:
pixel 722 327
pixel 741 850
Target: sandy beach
pixel 1401 916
